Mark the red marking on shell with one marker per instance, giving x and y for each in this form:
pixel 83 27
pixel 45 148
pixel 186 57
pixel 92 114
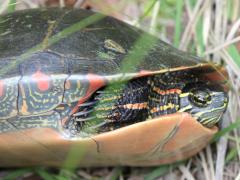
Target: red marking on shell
pixel 1 88
pixel 95 82
pixel 43 80
pixel 143 73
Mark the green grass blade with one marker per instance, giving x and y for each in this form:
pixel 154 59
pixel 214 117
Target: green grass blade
pixel 231 155
pixel 66 175
pixel 161 170
pixel 157 172
pixel 17 173
pixel 45 175
pixel 226 130
pixel 11 6
pixel 116 173
pixel 62 178
pixel 148 10
pixel 74 157
pixel 234 53
pixel 178 22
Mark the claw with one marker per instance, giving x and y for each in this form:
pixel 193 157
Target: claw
pixel 105 91
pixel 109 91
pixel 98 125
pixel 87 104
pixel 83 113
pixel 99 92
pixel 85 119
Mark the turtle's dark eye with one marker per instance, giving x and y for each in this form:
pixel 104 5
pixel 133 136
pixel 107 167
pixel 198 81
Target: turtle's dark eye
pixel 200 97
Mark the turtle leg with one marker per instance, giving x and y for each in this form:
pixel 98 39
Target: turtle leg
pixel 124 103
pixel 114 106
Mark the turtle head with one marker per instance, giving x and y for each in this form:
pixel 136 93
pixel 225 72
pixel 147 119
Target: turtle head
pixel 204 102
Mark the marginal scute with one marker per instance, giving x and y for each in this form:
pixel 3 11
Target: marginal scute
pixel 76 87
pixel 79 87
pixel 47 120
pixel 9 97
pixel 32 100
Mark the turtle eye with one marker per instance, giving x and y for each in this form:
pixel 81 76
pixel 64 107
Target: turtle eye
pixel 200 97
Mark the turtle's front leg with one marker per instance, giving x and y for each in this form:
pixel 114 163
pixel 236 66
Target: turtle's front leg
pixel 113 107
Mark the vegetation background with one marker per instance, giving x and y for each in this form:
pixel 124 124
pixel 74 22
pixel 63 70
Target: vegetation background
pixel 210 29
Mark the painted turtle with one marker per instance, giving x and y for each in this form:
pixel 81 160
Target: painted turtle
pixel 74 80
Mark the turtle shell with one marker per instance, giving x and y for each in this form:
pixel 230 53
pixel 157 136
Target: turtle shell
pixel 52 60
